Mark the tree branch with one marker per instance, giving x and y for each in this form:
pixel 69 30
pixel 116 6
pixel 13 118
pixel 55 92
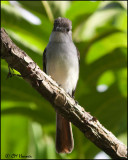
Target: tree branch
pixel 60 100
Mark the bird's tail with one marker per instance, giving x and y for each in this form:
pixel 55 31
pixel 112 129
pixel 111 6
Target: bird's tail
pixel 64 136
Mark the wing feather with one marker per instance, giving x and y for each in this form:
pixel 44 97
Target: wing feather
pixel 44 60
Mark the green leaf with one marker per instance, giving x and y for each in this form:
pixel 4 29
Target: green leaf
pixel 26 94
pixel 102 18
pixel 113 60
pixel 106 78
pixel 28 32
pixel 108 44
pixel 12 126
pixel 80 7
pixel 35 6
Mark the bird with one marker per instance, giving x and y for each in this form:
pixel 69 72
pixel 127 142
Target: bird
pixel 61 61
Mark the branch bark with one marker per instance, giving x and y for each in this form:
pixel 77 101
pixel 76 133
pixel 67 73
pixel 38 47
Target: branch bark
pixel 60 100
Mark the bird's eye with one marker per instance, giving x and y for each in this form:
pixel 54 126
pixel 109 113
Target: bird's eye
pixel 67 29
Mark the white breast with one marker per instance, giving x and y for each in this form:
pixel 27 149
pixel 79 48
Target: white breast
pixel 62 64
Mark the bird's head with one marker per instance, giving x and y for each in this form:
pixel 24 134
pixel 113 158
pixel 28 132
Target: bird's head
pixel 62 25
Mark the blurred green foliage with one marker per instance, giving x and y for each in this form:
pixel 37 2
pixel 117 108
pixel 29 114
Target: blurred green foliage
pixel 100 33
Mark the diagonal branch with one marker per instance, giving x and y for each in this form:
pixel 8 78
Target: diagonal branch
pixel 60 100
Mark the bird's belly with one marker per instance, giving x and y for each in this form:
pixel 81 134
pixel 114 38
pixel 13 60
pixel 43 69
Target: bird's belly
pixel 63 68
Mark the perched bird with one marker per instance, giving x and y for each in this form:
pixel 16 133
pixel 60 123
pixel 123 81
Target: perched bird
pixel 61 62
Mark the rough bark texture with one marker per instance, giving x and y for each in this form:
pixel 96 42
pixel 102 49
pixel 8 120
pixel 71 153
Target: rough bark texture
pixel 60 100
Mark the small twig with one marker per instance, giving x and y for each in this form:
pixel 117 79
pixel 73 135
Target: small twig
pixel 10 74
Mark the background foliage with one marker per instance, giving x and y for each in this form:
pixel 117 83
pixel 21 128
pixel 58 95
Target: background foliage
pixel 100 33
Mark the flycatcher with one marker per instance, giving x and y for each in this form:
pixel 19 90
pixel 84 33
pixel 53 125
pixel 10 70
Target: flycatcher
pixel 61 62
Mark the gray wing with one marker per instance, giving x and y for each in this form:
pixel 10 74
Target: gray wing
pixel 78 55
pixel 44 60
